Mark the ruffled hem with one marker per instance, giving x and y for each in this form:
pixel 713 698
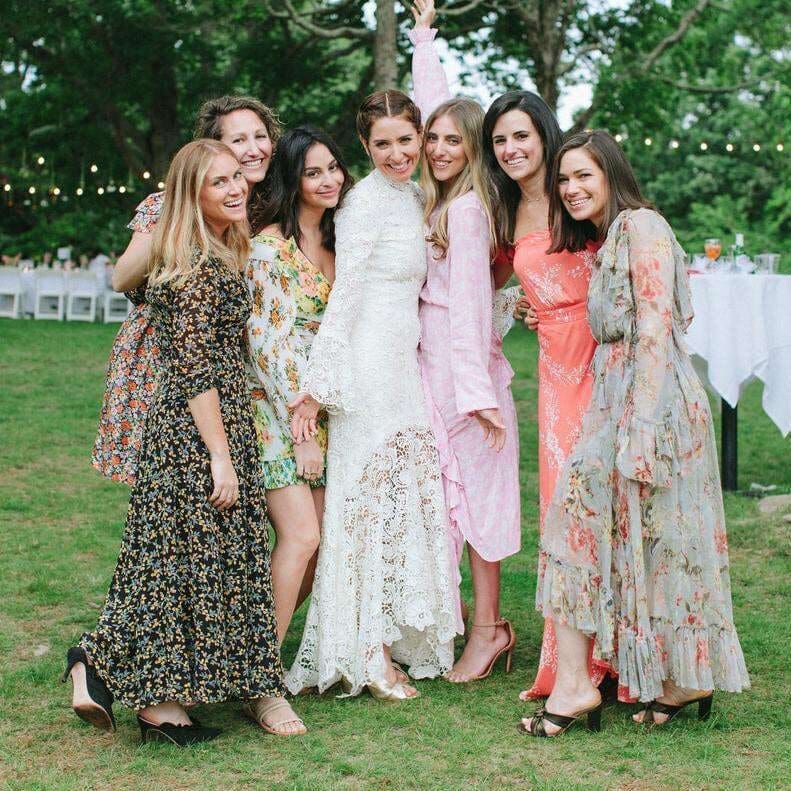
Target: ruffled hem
pixel 693 657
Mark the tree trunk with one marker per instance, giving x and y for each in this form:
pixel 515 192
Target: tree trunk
pixel 385 68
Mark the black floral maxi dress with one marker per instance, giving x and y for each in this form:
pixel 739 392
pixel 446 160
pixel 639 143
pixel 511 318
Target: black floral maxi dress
pixel 189 616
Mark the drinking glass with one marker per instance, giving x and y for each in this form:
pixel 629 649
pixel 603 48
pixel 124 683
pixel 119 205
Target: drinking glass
pixel 713 248
pixel 767 263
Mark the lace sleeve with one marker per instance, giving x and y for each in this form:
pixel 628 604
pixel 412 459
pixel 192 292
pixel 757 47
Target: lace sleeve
pixel 470 305
pixel 644 451
pixel 429 81
pixel 194 306
pixel 278 357
pixel 503 310
pixel 329 376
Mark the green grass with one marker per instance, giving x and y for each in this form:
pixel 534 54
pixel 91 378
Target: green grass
pixel 60 526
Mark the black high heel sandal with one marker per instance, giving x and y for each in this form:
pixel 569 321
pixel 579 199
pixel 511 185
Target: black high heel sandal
pixel 704 710
pixel 180 735
pixel 98 711
pixel 537 728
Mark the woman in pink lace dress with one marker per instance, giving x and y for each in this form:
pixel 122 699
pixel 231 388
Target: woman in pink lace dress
pixel 634 552
pixel 465 374
pixel 521 136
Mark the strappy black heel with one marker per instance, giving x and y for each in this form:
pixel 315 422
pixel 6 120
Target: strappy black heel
pixel 97 711
pixel 537 728
pixel 180 735
pixel 704 709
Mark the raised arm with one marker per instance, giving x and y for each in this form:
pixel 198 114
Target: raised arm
pixel 644 449
pixel 429 81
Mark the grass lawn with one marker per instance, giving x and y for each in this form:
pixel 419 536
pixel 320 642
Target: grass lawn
pixel 60 527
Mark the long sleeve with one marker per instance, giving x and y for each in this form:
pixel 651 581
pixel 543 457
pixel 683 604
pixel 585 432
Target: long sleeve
pixel 329 375
pixel 193 338
pixel 644 450
pixel 429 81
pixel 278 356
pixel 505 300
pixel 470 305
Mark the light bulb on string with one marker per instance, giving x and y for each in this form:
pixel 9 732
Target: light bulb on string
pixel 779 146
pixel 7 188
pixel 619 138
pixel 729 147
pixel 146 174
pixel 56 190
pixel 122 189
pixel 674 144
pixel 80 190
pixel 40 160
pixel 94 168
pixel 704 146
pixel 648 141
pixel 161 185
pixel 757 147
pixel 32 190
pixel 100 191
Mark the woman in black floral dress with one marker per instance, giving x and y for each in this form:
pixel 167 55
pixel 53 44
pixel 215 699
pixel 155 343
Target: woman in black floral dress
pixel 189 616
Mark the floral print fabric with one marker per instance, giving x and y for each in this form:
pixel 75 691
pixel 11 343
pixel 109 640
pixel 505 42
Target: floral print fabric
pixel 289 298
pixel 189 615
pixel 634 550
pixel 131 375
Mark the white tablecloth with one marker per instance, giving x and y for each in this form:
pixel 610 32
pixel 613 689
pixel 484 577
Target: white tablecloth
pixel 742 329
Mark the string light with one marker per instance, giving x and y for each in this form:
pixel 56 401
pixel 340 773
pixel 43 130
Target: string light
pixel 32 190
pixel 779 146
pixel 56 190
pixel 618 138
pixel 80 190
pixel 756 147
pixel 674 143
pixel 122 189
pixel 729 147
pixel 704 146
pixel 648 141
pixel 40 160
pixel 161 185
pixel 94 168
pixel 7 188
pixel 146 174
pixel 100 191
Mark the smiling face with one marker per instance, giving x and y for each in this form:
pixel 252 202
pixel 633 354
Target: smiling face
pixel 444 149
pixel 394 147
pixel 322 178
pixel 518 147
pixel 247 136
pixel 583 187
pixel 223 194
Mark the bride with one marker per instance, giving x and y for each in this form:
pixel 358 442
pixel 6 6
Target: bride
pixel 385 590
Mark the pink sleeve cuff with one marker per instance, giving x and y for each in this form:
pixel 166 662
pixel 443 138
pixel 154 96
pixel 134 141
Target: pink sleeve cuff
pixel 420 35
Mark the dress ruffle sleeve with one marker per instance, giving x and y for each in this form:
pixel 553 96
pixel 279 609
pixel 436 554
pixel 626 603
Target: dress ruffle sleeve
pixel 329 373
pixel 429 81
pixel 644 449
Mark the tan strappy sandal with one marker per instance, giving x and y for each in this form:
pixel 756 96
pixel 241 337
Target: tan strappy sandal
pixel 258 710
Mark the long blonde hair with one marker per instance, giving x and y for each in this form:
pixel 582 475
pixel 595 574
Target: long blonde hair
pixel 468 117
pixel 181 232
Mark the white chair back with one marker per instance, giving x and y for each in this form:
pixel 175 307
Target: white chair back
pixel 83 291
pixel 50 294
pixel 10 291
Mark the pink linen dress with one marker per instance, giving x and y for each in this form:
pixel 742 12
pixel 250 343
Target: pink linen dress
pixel 462 362
pixel 557 287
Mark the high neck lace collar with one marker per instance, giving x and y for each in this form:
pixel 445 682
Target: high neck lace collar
pixel 401 186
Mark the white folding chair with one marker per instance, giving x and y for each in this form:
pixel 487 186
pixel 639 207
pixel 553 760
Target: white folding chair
pixel 116 307
pixel 10 291
pixel 82 289
pixel 50 294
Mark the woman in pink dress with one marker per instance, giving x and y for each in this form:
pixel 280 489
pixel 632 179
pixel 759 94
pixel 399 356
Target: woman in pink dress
pixel 465 375
pixel 521 137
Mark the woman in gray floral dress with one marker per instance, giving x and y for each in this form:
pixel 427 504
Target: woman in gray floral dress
pixel 634 551
pixel 189 617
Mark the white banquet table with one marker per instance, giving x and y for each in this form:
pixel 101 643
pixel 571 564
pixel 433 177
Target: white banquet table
pixel 742 330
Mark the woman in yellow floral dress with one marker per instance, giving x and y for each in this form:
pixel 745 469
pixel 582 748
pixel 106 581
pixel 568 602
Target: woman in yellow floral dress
pixel 290 273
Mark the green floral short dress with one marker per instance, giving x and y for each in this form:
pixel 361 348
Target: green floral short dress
pixel 189 616
pixel 289 298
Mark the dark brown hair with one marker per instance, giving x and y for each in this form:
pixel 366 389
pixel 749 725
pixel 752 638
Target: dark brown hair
pixel 281 198
pixel 385 104
pixel 210 115
pixel 623 191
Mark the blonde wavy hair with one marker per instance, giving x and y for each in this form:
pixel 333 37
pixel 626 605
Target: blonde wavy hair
pixel 468 117
pixel 181 241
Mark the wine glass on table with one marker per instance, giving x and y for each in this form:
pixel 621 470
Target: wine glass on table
pixel 712 248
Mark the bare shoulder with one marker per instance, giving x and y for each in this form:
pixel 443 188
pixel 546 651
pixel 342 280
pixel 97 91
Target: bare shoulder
pixel 273 230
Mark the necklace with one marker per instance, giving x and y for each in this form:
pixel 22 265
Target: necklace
pixel 533 200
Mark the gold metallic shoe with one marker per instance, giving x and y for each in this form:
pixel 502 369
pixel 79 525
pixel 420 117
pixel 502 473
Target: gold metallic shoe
pixel 384 690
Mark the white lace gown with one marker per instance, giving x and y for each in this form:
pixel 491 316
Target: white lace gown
pixel 384 572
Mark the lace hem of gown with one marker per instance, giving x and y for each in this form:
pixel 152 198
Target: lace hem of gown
pixel 390 561
pixel 697 657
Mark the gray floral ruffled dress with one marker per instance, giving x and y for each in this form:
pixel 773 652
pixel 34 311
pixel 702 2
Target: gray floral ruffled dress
pixel 189 616
pixel 634 550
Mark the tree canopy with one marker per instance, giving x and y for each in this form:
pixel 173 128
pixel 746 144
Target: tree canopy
pixel 116 83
